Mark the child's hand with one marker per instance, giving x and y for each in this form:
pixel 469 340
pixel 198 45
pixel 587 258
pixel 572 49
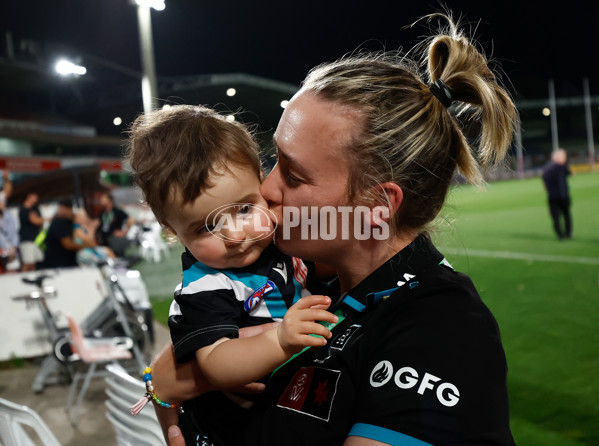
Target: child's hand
pixel 299 323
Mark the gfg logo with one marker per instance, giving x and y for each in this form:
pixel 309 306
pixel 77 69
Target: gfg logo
pixel 227 222
pixel 408 378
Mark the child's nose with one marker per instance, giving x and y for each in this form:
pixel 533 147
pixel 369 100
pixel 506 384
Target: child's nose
pixel 233 236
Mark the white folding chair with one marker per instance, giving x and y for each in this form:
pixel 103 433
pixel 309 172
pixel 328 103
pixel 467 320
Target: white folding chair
pixel 12 419
pixel 93 352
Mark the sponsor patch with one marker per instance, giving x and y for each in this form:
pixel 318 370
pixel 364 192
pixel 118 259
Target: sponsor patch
pixel 381 374
pixel 311 392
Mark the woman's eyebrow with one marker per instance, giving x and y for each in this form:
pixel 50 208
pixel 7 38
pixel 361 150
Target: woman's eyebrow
pixel 289 160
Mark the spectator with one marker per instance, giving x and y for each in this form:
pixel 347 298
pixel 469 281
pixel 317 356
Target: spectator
pixel 61 247
pixel 555 175
pixel 32 223
pixel 115 223
pixel 9 240
pixel 84 233
pixel 5 186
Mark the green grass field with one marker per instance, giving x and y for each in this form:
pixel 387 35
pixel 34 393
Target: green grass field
pixel 543 292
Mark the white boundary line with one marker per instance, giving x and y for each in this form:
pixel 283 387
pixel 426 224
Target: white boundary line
pixel 520 256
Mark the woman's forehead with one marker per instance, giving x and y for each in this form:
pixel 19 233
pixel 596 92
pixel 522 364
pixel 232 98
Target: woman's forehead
pixel 313 128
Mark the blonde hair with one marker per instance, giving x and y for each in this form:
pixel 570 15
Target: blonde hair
pixel 181 148
pixel 407 135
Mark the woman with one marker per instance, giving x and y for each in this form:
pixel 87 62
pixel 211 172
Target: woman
pixel 417 357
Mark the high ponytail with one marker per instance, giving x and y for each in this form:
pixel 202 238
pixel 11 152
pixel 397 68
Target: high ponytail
pixel 456 61
pixel 409 134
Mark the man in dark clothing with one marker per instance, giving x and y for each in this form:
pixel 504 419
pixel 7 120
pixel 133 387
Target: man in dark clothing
pixel 61 248
pixel 555 175
pixel 31 223
pixel 115 223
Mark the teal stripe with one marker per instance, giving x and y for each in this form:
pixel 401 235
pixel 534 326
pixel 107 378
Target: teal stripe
pixel 354 303
pixel 199 270
pixel 384 435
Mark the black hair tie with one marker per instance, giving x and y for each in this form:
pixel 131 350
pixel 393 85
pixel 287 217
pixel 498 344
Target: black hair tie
pixel 442 92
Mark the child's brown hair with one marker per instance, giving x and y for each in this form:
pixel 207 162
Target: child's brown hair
pixel 180 148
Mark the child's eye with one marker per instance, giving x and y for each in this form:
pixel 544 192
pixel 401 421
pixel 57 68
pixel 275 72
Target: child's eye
pixel 206 229
pixel 245 209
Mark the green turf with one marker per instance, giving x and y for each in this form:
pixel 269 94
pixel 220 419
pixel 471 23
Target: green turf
pixel 547 310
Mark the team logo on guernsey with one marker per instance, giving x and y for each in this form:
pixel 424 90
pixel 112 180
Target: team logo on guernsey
pixel 311 391
pixel 257 296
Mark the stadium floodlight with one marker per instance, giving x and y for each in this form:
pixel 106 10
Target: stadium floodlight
pixel 158 5
pixel 65 67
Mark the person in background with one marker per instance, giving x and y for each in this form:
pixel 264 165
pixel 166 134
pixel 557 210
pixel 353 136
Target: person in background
pixel 555 179
pixel 114 225
pixel 5 186
pixel 84 233
pixel 61 247
pixel 31 223
pixel 9 240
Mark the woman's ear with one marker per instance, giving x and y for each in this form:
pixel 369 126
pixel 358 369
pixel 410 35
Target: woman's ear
pixel 394 196
pixel 391 197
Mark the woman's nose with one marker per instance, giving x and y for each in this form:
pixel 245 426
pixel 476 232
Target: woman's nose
pixel 271 187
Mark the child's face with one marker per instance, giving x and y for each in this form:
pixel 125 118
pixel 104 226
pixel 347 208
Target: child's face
pixel 227 226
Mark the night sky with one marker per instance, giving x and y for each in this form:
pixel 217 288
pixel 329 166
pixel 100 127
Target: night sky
pixel 531 40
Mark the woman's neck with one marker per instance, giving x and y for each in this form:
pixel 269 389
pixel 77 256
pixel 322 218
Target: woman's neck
pixel 371 254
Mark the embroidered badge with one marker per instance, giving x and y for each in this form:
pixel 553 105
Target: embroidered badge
pixel 311 391
pixel 257 296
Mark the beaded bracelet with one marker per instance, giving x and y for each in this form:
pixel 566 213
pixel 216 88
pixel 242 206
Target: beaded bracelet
pixel 150 396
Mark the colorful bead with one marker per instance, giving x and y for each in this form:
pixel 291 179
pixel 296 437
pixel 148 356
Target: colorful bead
pixel 150 395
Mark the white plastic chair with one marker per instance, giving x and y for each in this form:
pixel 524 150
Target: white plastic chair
pixel 123 391
pixel 12 419
pixel 127 436
pixel 125 385
pixel 152 246
pixel 93 352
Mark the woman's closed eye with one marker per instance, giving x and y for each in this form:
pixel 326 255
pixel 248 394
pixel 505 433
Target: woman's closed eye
pixel 291 179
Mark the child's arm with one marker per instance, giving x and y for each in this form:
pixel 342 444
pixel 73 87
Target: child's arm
pixel 230 363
